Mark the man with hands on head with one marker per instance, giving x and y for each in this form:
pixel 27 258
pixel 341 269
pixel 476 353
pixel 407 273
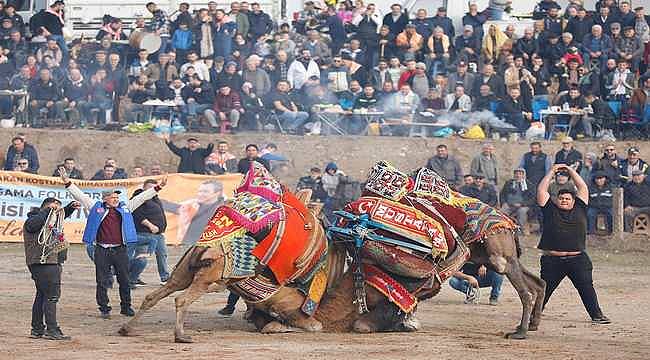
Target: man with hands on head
pixel 563 240
pixel 110 228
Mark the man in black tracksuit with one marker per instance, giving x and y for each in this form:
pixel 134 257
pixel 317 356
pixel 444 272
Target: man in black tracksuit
pixel 563 241
pixel 46 273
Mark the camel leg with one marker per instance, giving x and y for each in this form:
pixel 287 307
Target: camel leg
pixel 286 305
pixel 203 282
pixel 149 301
pixel 518 281
pixel 538 286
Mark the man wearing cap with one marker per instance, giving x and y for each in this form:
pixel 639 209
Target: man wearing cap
pixel 460 77
pixel 46 272
pixel 600 202
pixel 632 163
pixel 636 198
pixel 475 19
pixel 467 45
pixel 192 156
pixel 441 19
pixel 409 41
pixel 227 105
pixel 110 228
pixel 563 241
pixel 569 155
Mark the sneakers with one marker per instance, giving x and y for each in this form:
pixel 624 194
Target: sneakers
pixel 36 334
pixel 127 311
pixel 55 334
pixel 226 311
pixel 602 319
pixel 494 301
pixel 472 296
pixel 105 314
pixel 140 282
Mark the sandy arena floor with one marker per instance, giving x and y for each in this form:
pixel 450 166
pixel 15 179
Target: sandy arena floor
pixel 451 330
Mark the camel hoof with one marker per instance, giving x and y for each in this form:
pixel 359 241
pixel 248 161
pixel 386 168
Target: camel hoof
pixel 409 324
pixel 124 330
pixel 275 327
pixel 310 325
pixel 362 327
pixel 516 335
pixel 183 339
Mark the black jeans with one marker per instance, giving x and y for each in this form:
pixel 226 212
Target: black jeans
pixel 47 278
pixel 579 270
pixel 232 300
pixel 118 258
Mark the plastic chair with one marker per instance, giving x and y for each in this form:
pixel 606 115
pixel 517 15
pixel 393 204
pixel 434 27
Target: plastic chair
pixel 616 107
pixel 539 105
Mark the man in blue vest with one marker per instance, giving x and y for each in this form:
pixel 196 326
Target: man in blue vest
pixel 110 228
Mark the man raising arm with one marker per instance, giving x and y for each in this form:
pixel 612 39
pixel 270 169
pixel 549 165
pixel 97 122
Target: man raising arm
pixel 563 240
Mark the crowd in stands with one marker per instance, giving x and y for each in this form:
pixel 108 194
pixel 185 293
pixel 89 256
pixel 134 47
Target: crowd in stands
pixel 238 69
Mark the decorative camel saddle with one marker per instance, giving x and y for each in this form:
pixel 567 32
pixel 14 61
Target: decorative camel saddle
pixel 412 228
pixel 268 238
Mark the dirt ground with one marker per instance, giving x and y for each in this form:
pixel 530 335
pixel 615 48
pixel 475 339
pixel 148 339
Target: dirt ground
pixel 451 329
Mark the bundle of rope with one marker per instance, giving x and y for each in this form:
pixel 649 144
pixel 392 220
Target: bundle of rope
pixel 51 238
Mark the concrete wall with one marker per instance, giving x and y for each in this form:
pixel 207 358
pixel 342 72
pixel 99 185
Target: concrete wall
pixel 354 155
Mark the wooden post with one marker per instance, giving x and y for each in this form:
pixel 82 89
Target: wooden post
pixel 617 214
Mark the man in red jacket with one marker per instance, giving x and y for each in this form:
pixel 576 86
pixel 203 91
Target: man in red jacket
pixel 227 105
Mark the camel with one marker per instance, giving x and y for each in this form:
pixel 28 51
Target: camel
pixel 199 272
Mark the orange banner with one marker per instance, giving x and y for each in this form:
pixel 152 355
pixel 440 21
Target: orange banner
pixel 189 201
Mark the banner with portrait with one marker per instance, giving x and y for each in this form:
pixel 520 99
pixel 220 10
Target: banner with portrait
pixel 189 200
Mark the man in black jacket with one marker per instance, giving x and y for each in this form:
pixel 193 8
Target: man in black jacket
pixel 636 198
pixel 46 97
pixel 600 202
pixel 569 155
pixel 516 111
pixel 580 25
pixel 46 271
pixel 397 19
pixel 252 154
pixel 192 156
pixel 150 225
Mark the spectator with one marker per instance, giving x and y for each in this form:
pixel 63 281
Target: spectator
pixel 600 202
pixel 302 69
pixel 46 99
pixel 486 191
pixel 493 44
pixel 199 99
pixel 223 30
pixel 516 111
pixel 221 161
pixel 605 20
pixel 20 150
pixel 469 187
pixel 70 168
pixel 467 46
pixel 252 154
pixel 260 22
pixel 75 95
pixel 460 77
pixel 155 170
pixel 439 50
pixel 292 119
pixel 424 25
pixel 192 156
pixel 107 173
pixel 475 20
pixel 420 81
pixel 472 277
pixel 409 42
pixel 629 48
pixel 490 78
pixel 569 155
pixel 330 180
pixel 535 164
pixel 517 197
pixel 396 20
pixel 314 182
pixel 636 198
pixel 241 19
pixel 609 164
pixel 485 164
pixel 442 21
pixel 118 172
pixel 51 24
pixel 597 46
pixel 257 77
pixel 150 225
pixel 589 167
pixel 580 25
pixel 562 183
pixel 633 162
pixel 446 166
pixel 227 106
pixel 458 101
pixel 137 172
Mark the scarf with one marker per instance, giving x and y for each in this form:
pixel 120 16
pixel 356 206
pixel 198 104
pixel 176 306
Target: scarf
pixel 207 48
pixel 115 34
pixel 493 43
